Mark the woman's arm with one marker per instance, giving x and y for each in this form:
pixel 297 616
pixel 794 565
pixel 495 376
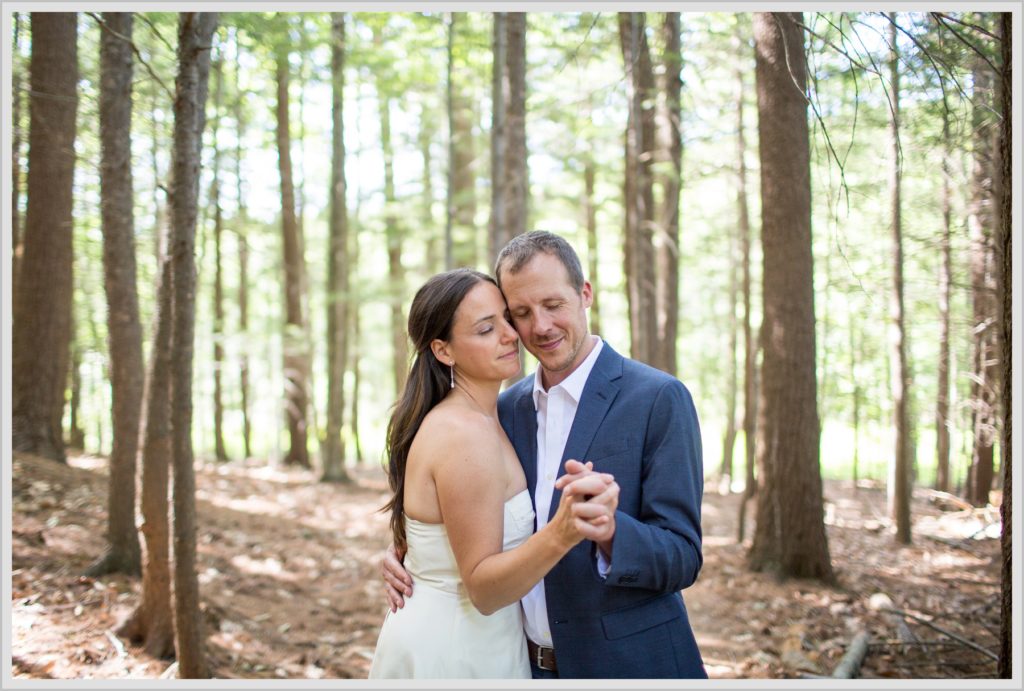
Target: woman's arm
pixel 471 485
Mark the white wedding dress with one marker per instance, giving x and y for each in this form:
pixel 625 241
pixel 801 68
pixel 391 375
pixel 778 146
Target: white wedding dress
pixel 439 633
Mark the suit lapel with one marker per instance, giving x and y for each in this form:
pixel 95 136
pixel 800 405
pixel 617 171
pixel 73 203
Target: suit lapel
pixel 598 394
pixel 524 438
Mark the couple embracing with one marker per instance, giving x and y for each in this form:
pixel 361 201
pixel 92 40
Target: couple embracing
pixel 548 529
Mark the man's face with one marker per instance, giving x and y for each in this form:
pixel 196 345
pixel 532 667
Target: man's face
pixel 549 314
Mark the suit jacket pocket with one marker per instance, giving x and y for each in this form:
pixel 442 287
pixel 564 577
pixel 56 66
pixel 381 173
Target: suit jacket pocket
pixel 602 451
pixel 646 615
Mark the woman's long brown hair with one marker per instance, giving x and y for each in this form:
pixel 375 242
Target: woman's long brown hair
pixel 431 316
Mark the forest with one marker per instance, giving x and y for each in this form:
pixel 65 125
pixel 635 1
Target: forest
pixel 217 222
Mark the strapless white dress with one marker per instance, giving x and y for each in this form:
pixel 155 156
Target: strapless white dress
pixel 439 633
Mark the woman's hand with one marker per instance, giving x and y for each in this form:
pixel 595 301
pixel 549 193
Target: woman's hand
pixel 576 518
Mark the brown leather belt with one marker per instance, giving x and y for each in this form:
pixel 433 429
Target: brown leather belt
pixel 541 656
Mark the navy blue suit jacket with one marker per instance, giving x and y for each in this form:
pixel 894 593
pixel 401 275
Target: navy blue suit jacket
pixel 639 424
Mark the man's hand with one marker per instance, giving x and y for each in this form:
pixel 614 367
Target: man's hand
pixel 598 511
pixel 397 581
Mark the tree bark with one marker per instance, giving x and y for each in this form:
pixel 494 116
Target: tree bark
pixel 295 364
pixel 515 181
pixel 218 276
pixel 499 95
pixel 449 225
pixel 1005 664
pixel 123 553
pixel 671 182
pixel 790 536
pixel 590 221
pixel 337 267
pixel 945 285
pixel 243 259
pixel 195 33
pixel 638 254
pixel 899 486
pixel 42 299
pixel 982 222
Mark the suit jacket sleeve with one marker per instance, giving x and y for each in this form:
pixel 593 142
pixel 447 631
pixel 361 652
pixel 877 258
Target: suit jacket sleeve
pixel 660 548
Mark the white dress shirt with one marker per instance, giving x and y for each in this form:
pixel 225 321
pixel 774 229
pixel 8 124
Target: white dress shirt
pixel 556 410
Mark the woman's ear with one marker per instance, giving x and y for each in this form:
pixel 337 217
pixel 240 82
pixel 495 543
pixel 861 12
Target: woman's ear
pixel 440 350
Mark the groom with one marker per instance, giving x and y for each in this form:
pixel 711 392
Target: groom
pixel 611 608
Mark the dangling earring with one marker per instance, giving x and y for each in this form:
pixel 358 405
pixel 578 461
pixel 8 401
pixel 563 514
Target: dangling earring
pixel 451 368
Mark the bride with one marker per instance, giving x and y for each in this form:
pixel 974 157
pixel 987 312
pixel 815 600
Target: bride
pixel 460 509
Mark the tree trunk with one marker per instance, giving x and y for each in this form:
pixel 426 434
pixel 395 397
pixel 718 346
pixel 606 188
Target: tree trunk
pixel 123 553
pixel 337 267
pixel 790 536
pixel 590 216
pixel 1005 664
pixel 668 247
pixel 729 440
pixel 945 284
pixel 463 181
pixel 42 299
pixel 393 233
pixel 243 260
pixel 749 344
pixel 515 181
pixel 428 128
pixel 899 487
pixel 638 252
pixel 295 330
pixel 498 230
pixel 76 435
pixel 981 220
pixel 150 624
pixel 857 392
pixel 16 87
pixel 355 347
pixel 195 33
pixel 218 275
pixel 449 225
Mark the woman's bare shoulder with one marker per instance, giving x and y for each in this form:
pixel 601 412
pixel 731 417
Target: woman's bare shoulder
pixel 450 431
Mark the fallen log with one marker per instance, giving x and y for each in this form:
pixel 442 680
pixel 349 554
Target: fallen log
pixel 849 666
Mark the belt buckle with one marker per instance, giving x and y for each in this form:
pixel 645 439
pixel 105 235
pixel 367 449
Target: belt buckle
pixel 540 658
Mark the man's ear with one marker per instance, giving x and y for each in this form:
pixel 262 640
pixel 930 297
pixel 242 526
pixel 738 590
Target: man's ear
pixel 441 352
pixel 587 294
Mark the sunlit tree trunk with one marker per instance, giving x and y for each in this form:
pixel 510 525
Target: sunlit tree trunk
pixel 945 284
pixel 899 486
pixel 337 267
pixel 195 33
pixel 790 536
pixel 295 326
pixel 449 224
pixel 42 299
pixel 638 251
pixel 671 181
pixel 515 181
pixel 590 222
pixel 123 553
pixel 243 258
pixel 746 242
pixel 498 230
pixel 218 271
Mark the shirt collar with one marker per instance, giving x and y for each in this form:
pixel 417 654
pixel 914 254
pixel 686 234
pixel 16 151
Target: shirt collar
pixel 574 383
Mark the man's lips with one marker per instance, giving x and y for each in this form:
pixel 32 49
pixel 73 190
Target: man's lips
pixel 550 345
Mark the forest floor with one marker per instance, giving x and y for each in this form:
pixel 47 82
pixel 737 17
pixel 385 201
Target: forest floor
pixel 288 573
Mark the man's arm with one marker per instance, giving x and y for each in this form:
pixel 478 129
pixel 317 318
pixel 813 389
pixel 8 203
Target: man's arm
pixel 397 581
pixel 660 547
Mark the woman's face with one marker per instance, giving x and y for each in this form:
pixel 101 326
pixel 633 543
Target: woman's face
pixel 484 345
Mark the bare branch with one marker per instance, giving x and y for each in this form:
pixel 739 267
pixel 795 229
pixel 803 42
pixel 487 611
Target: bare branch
pixel 135 49
pixel 941 19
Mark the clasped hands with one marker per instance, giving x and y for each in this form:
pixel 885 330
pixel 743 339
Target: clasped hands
pixel 593 499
